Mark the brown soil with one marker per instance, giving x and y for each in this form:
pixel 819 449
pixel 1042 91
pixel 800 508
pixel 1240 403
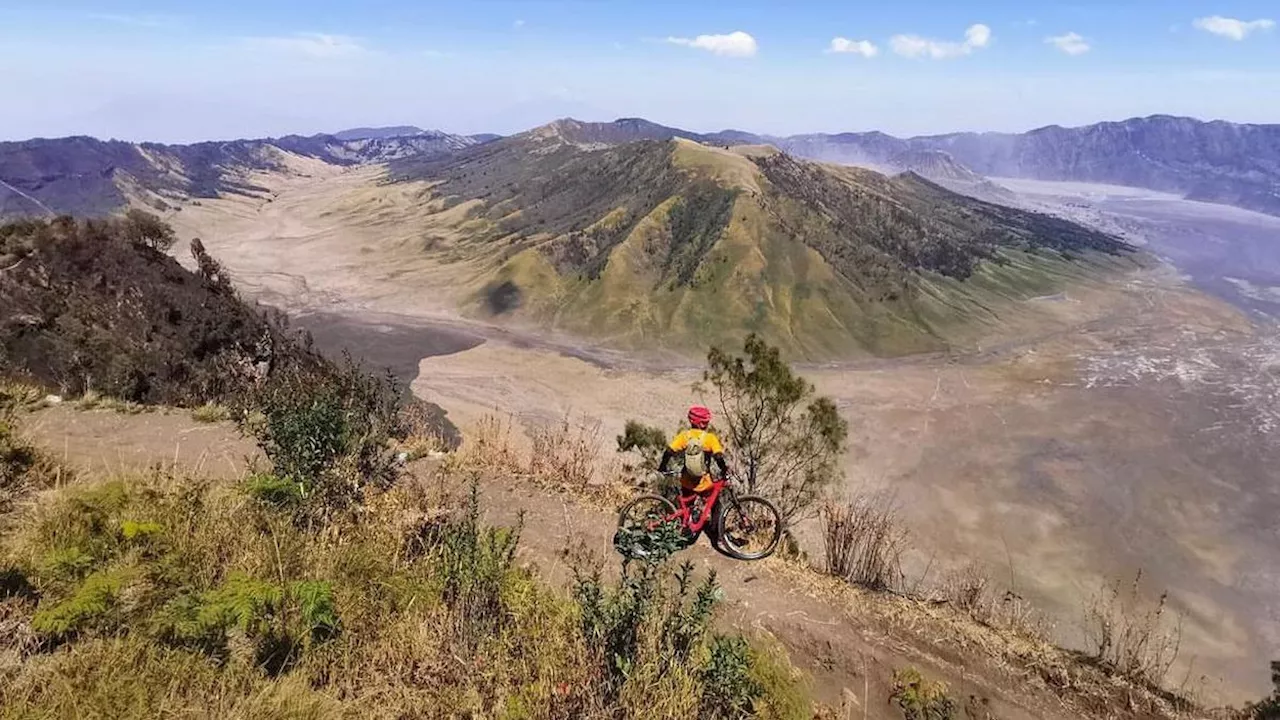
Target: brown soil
pixel 107 442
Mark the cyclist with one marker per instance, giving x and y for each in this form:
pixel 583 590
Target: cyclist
pixel 700 448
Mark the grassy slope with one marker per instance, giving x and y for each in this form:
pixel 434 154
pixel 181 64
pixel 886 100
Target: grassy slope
pixel 158 596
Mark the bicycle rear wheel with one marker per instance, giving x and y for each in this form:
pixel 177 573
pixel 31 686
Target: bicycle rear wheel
pixel 648 528
pixel 645 513
pixel 750 528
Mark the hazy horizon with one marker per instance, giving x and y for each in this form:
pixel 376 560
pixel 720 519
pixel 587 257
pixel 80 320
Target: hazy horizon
pixel 703 131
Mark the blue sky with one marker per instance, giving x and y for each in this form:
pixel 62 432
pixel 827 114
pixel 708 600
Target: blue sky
pixel 175 72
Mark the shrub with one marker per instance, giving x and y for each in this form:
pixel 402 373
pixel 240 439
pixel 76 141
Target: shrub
pixel 326 431
pixel 274 491
pixel 921 699
pixel 142 228
pixel 1130 634
pixel 729 690
pixel 864 541
pixel 645 442
pixel 474 564
pixel 1267 708
pixel 787 440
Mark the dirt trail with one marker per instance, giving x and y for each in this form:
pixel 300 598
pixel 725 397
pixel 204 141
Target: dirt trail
pixel 843 639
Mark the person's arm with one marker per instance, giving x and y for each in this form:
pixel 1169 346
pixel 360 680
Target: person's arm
pixel 724 464
pixel 667 455
pixel 717 456
pixel 677 445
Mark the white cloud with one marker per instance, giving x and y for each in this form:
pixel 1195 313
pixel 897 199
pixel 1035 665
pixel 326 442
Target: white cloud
pixel 1231 27
pixel 735 44
pixel 913 46
pixel 977 36
pixel 1070 43
pixel 865 48
pixel 317 45
pixel 518 23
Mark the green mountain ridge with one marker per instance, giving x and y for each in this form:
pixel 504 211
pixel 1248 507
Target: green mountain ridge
pixel 676 244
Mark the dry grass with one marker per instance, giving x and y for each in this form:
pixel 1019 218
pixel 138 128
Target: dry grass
pixel 971 591
pixel 211 413
pixel 425 433
pixel 864 541
pixel 23 468
pixel 93 400
pixel 20 395
pixel 565 457
pixel 1132 634
pixel 490 446
pixel 566 453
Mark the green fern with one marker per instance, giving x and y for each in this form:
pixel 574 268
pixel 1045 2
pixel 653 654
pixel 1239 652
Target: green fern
pixel 91 604
pixel 247 603
pixel 67 563
pixel 134 530
pixel 316 605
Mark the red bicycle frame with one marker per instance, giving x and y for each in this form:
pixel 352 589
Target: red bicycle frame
pixel 687 500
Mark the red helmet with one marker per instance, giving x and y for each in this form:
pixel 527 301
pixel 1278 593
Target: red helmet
pixel 699 417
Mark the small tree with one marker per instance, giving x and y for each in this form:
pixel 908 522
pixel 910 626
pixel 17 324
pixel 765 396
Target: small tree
pixel 142 228
pixel 786 439
pixel 646 441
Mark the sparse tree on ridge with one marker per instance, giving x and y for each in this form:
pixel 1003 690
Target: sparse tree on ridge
pixel 785 440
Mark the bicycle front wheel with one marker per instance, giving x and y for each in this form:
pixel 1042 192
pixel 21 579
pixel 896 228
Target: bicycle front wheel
pixel 750 528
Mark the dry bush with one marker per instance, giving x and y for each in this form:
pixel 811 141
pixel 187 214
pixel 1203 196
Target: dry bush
pixel 488 447
pixel 425 428
pixel 93 400
pixel 23 467
pixel 864 541
pixel 564 453
pixel 20 395
pixel 971 591
pixel 1131 634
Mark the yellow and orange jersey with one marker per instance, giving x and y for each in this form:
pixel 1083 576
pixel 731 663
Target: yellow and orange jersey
pixel 710 443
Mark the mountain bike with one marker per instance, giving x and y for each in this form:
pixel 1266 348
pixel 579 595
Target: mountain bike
pixel 746 527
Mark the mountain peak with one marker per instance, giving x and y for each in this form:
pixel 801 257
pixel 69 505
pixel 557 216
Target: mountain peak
pixel 382 133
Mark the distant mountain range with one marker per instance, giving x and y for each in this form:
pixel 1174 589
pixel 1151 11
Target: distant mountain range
pixel 1229 163
pixel 1221 162
pixel 87 176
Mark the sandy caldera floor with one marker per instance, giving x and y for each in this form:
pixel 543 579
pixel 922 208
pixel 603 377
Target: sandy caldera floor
pixel 1132 432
